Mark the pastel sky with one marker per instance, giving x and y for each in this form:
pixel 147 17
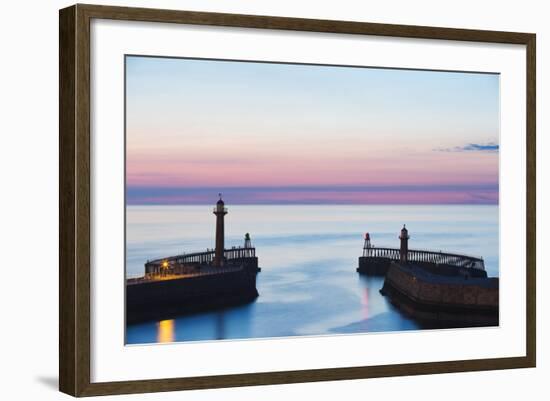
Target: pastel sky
pixel 271 133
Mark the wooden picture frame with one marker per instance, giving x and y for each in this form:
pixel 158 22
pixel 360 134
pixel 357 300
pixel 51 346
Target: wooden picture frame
pixel 74 199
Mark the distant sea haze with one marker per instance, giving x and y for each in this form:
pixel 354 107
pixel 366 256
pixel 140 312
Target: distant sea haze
pixel 444 194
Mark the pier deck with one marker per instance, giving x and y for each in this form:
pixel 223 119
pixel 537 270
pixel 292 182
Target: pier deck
pixel 189 263
pixel 376 261
pixel 204 271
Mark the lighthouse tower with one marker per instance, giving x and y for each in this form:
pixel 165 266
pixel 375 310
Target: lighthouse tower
pixel 220 211
pixel 367 245
pixel 404 248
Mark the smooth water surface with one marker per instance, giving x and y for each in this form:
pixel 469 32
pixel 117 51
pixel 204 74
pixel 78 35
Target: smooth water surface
pixel 308 254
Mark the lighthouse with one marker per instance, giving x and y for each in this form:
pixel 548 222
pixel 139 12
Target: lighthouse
pixel 220 211
pixel 367 245
pixel 404 248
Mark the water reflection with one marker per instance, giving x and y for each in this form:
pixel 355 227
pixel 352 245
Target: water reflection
pixel 166 331
pixel 365 303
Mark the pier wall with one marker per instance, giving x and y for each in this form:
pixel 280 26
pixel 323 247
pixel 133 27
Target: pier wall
pixel 373 266
pixel 164 299
pixel 471 301
pixel 378 266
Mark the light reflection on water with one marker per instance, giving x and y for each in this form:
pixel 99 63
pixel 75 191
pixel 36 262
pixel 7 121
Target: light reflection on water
pixel 166 332
pixel 308 254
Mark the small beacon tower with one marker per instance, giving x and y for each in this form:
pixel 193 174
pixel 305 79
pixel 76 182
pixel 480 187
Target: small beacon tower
pixel 247 246
pixel 247 241
pixel 404 248
pixel 220 211
pixel 367 246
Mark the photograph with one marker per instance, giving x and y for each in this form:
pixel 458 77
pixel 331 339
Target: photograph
pixel 266 199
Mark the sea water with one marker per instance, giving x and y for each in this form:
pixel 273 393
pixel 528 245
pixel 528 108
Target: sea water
pixel 308 254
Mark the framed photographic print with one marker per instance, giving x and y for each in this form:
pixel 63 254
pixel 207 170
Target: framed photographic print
pixel 306 200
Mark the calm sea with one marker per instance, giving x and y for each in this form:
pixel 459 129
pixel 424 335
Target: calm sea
pixel 308 254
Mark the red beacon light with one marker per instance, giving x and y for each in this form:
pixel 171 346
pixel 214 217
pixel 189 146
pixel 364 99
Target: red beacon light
pixel 367 246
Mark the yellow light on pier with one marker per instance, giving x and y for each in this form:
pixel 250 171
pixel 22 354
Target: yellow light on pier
pixel 165 264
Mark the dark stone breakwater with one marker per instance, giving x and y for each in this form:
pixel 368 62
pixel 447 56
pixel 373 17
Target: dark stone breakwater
pixel 194 282
pixel 439 289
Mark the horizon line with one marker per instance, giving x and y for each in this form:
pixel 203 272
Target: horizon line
pixel 314 204
pixel 403 194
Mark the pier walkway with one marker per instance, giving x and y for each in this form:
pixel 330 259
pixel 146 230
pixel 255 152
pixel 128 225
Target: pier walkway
pixel 203 271
pixel 196 264
pixel 206 257
pixel 423 256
